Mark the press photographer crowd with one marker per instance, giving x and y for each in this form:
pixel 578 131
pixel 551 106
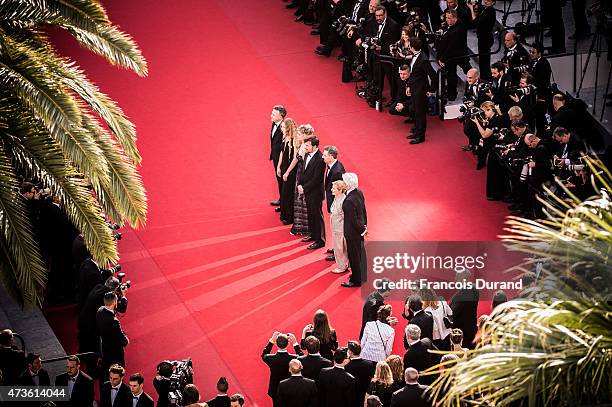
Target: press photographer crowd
pixel 100 295
pixel 518 124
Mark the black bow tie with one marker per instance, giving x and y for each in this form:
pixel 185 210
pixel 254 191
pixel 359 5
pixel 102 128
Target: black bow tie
pixel 72 379
pixel 115 388
pixel 135 397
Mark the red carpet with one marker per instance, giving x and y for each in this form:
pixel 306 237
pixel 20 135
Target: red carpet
pixel 214 272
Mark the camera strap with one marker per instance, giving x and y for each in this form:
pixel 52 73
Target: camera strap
pixel 381 338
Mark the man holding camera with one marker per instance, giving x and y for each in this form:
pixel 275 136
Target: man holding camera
pixel 279 362
pixel 453 51
pixel 114 340
pixel 536 172
pixel 525 97
pixel 515 57
pixel 501 85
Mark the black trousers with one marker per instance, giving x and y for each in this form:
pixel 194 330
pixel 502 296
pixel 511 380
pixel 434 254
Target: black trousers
pixel 279 180
pixel 580 19
pixel 419 107
pixel 357 260
pixel 498 184
pixel 451 76
pixel 484 57
pixel 316 223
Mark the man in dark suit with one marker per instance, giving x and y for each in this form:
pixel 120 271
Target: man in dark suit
pixel 336 385
pixel 361 369
pixel 412 394
pixel 465 310
pixel 34 375
pixel 542 72
pixel 12 360
pixel 89 276
pixel 113 337
pixel 418 355
pixel 222 399
pixel 311 185
pixel 276 145
pixel 355 228
pixel 139 397
pixel 400 104
pixel 418 316
pixel 114 392
pixel 515 57
pixel 421 85
pixel 564 115
pixel 80 384
pixel 373 302
pixel 296 391
pixel 452 52
pixel 333 172
pixel 279 362
pixel 313 362
pixel 501 84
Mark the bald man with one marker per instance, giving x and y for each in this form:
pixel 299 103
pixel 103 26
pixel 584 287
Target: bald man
pixel 412 394
pixel 515 57
pixel 296 391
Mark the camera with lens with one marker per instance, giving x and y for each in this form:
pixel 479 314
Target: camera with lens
pixel 412 18
pixel 370 42
pixel 469 111
pixel 500 133
pixel 476 3
pixel 122 302
pixel 520 91
pixel 401 6
pixel 178 373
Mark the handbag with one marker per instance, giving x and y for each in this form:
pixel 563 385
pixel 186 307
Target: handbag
pixel 448 322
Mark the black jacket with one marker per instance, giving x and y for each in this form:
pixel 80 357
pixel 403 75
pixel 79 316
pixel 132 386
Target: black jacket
pixel 279 366
pixel 370 309
pixel 390 34
pixel 465 313
pixel 276 143
pixel 485 24
pixel 219 401
pixel 144 400
pixel 355 215
pixel 82 391
pixel 12 364
pixel 515 59
pixel 422 79
pixel 423 320
pixel 312 177
pixel 123 398
pixel 363 371
pixel 334 174
pixel 336 388
pixel 25 379
pixel 312 365
pixel 541 72
pixel 296 391
pixel 453 44
pixel 418 356
pixel 411 395
pixel 113 338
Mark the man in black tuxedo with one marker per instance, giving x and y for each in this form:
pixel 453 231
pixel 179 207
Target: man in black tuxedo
pixel 355 228
pixel 34 375
pixel 279 362
pixel 361 369
pixel 418 316
pixel 501 84
pixel 465 310
pixel 515 57
pixel 336 385
pixel 418 353
pixel 12 360
pixel 542 72
pixel 463 12
pixel 79 383
pixel 412 394
pixel 296 391
pixel 400 104
pixel 452 52
pixel 373 302
pixel 311 185
pixel 313 362
pixel 139 397
pixel 421 85
pixel 222 399
pixel 333 172
pixel 89 276
pixel 114 392
pixel 276 145
pixel 564 115
pixel 113 337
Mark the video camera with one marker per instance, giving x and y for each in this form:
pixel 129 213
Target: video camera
pixel 431 37
pixel 520 91
pixel 122 302
pixel 181 376
pixel 343 23
pixel 469 110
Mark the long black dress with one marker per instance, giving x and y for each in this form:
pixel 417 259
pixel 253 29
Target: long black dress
pixel 288 188
pixel 300 213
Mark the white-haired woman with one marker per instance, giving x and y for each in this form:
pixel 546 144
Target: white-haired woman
pixel 337 227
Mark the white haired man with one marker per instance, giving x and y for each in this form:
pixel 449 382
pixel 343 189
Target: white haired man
pixel 355 228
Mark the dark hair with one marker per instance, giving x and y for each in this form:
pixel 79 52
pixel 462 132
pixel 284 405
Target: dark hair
pixel 314 140
pixel 384 312
pixel 528 278
pixel 354 347
pixel 6 337
pixel 519 124
pixel 222 385
pixel 560 131
pixel 282 341
pixel 456 336
pixel 117 369
pixel 499 298
pixel 404 67
pixel 385 286
pixel 415 302
pixel 373 401
pixel 340 355
pixel 31 357
pixel 74 358
pixel 165 369
pixel 416 43
pixel 109 298
pixel 238 397
pixel 281 109
pixel 136 377
pixel 111 283
pixel 538 46
pixel 528 77
pixel 381 8
pixel 498 66
pixel 191 394
pixel 313 345
pixel 322 328
pixel 26 187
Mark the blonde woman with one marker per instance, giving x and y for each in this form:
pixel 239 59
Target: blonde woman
pixel 396 363
pixel 300 214
pixel 491 119
pixel 337 227
pixel 286 169
pixel 381 384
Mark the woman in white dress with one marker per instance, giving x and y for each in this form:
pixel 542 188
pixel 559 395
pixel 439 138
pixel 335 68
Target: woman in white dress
pixel 337 227
pixel 378 336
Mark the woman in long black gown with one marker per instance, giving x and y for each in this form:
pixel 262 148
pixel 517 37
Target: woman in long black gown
pixel 286 170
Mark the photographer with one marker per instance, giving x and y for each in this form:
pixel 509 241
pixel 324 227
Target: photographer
pixel 525 97
pixel 567 150
pixel 564 115
pixel 416 27
pixel 486 124
pixel 400 105
pixel 90 275
pixel 580 184
pixel 474 95
pixel 541 71
pixel 161 383
pixel 401 49
pixel 536 172
pixel 453 51
pixel 357 14
pixel 191 396
pixel 484 21
pixel 501 85
pixel 329 38
pixel 515 57
pixel 499 170
pixel 463 12
pixel 113 337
